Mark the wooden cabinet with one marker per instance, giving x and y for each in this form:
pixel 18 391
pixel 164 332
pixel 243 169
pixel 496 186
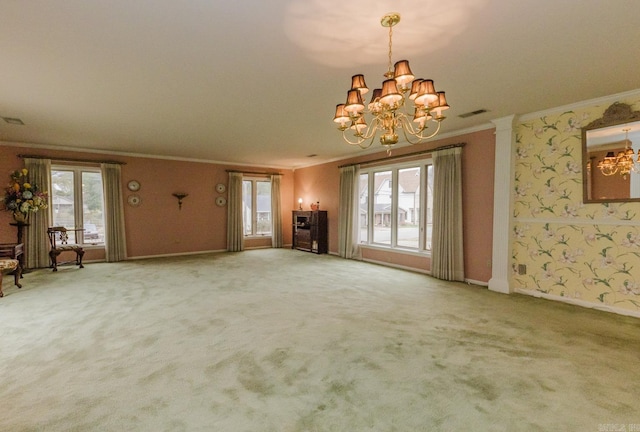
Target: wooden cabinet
pixel 310 231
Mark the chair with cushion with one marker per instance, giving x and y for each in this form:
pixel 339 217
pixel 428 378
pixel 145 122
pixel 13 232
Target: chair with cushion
pixel 8 265
pixel 59 240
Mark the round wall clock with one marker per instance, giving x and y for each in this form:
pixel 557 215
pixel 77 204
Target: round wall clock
pixel 221 188
pixel 133 185
pixel 221 201
pixel 134 200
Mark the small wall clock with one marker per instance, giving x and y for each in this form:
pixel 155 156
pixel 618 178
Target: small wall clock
pixel 221 188
pixel 134 200
pixel 221 201
pixel 133 185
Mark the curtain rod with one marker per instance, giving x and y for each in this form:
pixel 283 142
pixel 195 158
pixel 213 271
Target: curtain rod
pixel 445 147
pixel 71 159
pixel 253 172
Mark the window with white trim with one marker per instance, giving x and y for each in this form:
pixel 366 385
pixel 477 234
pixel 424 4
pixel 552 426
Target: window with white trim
pixel 256 209
pixel 396 203
pixel 77 203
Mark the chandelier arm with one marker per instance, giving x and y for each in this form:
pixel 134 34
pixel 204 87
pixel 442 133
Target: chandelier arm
pixel 407 129
pixel 422 137
pixel 367 145
pixel 357 142
pixel 371 129
pixel 370 133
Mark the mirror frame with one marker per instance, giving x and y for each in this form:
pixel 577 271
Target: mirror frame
pixel 617 114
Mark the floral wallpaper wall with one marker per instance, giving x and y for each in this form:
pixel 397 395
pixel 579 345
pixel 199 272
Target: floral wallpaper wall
pixel 589 253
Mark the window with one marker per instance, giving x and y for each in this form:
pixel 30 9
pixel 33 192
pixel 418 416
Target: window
pixel 77 202
pixel 256 209
pixel 396 206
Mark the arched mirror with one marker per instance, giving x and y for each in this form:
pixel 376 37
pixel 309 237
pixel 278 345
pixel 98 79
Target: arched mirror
pixel 611 156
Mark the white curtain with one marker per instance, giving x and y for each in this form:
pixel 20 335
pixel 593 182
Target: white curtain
pixel 235 234
pixel 447 258
pixel 115 239
pixel 37 239
pixel 349 212
pixel 276 212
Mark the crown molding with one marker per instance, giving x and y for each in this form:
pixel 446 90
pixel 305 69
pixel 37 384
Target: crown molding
pixel 136 155
pixel 604 100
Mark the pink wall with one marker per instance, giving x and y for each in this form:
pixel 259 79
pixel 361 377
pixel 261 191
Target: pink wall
pixel 157 226
pixel 322 183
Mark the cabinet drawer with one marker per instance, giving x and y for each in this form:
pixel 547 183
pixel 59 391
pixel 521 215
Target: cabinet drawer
pixel 303 239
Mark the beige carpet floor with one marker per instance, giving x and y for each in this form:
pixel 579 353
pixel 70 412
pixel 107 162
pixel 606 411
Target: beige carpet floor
pixel 281 340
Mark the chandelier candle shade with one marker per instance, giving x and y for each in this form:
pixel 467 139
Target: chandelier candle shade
pixel 384 108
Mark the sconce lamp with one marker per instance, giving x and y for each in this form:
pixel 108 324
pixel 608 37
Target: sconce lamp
pixel 180 197
pixel 299 203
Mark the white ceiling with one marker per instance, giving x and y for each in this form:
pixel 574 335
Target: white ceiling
pixel 257 82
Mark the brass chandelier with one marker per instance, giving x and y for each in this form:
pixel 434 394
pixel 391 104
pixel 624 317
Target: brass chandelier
pixel 622 163
pixel 386 103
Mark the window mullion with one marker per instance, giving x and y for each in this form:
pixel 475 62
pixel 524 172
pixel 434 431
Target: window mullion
pixel 422 242
pixel 79 207
pixel 394 207
pixel 371 207
pixel 79 203
pixel 254 204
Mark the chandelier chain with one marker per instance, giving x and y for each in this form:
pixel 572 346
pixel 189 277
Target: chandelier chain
pixel 390 69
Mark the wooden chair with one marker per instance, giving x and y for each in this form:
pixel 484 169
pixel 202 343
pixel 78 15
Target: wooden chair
pixel 59 240
pixel 10 254
pixel 8 265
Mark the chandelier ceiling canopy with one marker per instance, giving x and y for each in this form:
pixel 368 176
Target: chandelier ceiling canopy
pixel 387 109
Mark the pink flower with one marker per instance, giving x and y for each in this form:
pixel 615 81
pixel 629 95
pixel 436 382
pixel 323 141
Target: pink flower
pixel 631 241
pixel 629 287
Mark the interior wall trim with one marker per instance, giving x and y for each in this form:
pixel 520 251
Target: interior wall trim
pixel 260 173
pixel 398 266
pixel 54 159
pixel 605 100
pixel 142 257
pixel 504 163
pixel 136 155
pixel 578 302
pixel 403 156
pixel 581 221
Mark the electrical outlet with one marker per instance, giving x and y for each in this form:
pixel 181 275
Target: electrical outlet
pixel 522 269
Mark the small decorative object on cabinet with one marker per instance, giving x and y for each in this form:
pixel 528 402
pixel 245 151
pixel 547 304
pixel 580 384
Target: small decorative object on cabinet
pixel 310 231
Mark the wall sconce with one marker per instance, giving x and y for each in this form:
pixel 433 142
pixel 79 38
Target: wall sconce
pixel 299 203
pixel 180 197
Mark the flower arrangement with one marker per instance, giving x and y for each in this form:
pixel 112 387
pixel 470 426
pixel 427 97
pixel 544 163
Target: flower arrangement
pixel 22 197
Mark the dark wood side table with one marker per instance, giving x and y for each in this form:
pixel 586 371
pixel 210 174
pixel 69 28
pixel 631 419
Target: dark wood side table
pixel 14 251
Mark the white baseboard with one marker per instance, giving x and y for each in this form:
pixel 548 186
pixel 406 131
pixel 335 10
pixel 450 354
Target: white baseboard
pixel 388 264
pixel 175 254
pixel 417 270
pixel 476 282
pixel 579 302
